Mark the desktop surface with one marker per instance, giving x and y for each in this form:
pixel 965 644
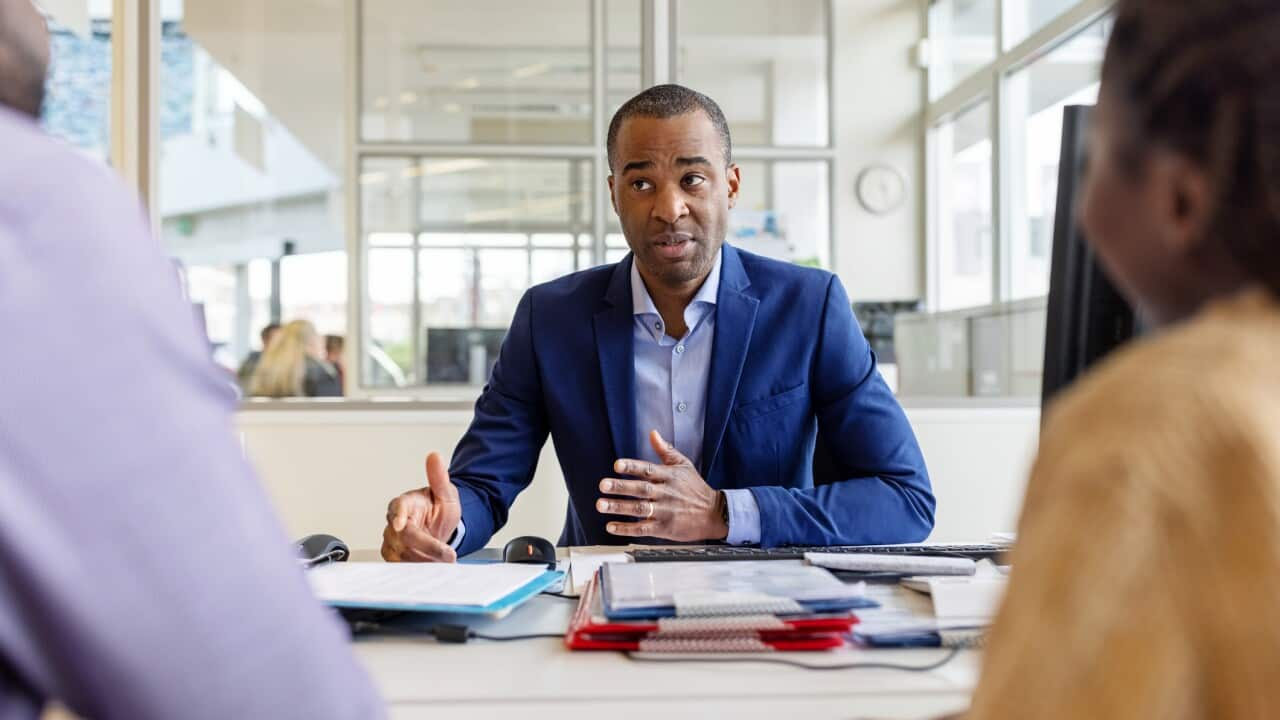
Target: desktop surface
pixel 542 679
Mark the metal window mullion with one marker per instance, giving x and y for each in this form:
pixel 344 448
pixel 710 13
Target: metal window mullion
pixel 599 77
pixel 418 351
pixel 999 249
pixel 786 154
pixel 516 151
pixel 135 100
pixel 357 291
pixel 833 165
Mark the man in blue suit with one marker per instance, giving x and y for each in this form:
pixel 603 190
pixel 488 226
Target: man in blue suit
pixel 685 388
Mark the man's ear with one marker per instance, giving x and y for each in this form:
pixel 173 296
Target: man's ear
pixel 613 199
pixel 1184 201
pixel 734 176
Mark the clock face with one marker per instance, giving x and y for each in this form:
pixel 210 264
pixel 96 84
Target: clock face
pixel 881 189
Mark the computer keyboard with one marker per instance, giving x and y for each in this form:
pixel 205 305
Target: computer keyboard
pixel 975 551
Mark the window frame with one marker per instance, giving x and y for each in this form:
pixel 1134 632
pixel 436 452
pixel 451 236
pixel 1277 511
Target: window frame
pixel 659 44
pixel 991 83
pixel 135 142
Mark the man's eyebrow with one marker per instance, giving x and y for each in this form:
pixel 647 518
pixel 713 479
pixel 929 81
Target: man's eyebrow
pixel 695 160
pixel 637 165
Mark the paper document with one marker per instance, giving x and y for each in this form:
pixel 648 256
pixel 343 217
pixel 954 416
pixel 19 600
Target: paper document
pixel 420 583
pixel 655 584
pixel 583 566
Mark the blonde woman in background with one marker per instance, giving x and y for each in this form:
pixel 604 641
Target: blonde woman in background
pixel 294 366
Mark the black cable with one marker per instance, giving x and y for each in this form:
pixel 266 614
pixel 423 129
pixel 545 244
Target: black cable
pixel 508 638
pixel 804 666
pixel 575 598
pixel 444 633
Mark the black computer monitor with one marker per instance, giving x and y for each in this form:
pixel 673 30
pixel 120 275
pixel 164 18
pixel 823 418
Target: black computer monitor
pixel 1087 317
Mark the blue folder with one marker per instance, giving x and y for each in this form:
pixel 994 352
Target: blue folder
pixel 499 608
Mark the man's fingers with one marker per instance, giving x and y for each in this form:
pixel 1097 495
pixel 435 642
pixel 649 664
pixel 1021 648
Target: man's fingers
pixel 629 488
pixel 644 469
pixel 399 511
pixel 634 508
pixel 668 452
pixel 442 489
pixel 420 546
pixel 637 529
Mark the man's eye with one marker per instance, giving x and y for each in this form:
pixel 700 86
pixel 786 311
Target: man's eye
pixel 640 185
pixel 694 180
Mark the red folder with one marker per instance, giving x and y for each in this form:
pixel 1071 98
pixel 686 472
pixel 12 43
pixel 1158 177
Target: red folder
pixel 589 629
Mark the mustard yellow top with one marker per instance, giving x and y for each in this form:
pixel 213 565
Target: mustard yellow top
pixel 1146 580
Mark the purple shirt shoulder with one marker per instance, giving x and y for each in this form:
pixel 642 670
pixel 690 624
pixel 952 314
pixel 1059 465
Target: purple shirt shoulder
pixel 142 571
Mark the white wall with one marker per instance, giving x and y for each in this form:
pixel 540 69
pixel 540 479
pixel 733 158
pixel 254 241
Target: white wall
pixel 879 99
pixel 335 471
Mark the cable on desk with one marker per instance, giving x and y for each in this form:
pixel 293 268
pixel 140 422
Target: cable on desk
pixel 951 655
pixel 455 634
pixel 562 596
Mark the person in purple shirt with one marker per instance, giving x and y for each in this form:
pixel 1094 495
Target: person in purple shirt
pixel 142 572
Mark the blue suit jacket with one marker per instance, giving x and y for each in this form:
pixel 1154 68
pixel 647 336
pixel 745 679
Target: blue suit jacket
pixel 788 362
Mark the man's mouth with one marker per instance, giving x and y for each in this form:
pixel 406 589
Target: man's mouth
pixel 673 246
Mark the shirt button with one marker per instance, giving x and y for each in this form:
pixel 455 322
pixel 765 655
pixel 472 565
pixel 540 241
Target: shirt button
pixel 679 349
pixel 682 407
pixel 657 326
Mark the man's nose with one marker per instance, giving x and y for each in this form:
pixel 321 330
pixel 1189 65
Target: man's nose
pixel 669 205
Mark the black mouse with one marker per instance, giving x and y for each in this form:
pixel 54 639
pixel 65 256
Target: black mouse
pixel 530 549
pixel 316 549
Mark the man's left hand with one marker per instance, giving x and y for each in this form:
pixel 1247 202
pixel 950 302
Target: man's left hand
pixel 672 499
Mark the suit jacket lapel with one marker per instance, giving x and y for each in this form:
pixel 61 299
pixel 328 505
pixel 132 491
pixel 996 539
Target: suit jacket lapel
pixel 614 328
pixel 735 319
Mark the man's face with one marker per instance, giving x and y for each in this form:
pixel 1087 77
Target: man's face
pixel 672 192
pixel 24 56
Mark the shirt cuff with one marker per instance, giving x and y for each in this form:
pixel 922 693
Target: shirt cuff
pixel 456 540
pixel 744 517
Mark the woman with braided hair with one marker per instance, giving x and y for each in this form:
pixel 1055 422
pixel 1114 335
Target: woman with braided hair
pixel 1146 579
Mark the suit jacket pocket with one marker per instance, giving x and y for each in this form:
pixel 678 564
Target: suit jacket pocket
pixel 758 408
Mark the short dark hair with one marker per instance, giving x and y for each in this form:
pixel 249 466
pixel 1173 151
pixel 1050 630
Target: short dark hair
pixel 668 101
pixel 22 69
pixel 267 330
pixel 334 343
pixel 1202 77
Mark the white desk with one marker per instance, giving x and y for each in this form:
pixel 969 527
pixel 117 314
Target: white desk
pixel 541 679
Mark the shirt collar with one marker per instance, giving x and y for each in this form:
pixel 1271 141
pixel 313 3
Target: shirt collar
pixel 642 302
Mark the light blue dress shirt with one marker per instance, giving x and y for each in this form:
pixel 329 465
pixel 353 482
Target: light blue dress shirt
pixel 671 387
pixel 671 390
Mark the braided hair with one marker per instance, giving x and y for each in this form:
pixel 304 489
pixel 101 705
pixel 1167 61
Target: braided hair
pixel 1202 78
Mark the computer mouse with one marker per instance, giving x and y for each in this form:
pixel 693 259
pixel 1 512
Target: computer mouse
pixel 315 549
pixel 530 549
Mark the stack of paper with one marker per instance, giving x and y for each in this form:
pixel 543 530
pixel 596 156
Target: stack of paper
pixel 489 588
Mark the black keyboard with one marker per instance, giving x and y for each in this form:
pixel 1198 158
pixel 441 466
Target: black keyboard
pixel 978 551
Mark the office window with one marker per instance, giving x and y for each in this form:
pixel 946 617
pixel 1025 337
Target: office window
pixel 990 224
pixel 960 152
pixel 1035 97
pixel 962 40
pixel 1024 17
pixel 77 105
pixel 764 62
pixel 444 71
pixel 454 242
pixel 480 166
pixel 251 166
pixel 783 211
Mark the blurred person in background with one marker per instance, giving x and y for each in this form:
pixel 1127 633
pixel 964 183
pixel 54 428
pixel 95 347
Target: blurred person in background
pixel 1148 559
pixel 142 572
pixel 333 347
pixel 245 373
pixel 295 366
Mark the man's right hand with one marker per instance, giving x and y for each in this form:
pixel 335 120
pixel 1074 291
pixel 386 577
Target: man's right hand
pixel 420 523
